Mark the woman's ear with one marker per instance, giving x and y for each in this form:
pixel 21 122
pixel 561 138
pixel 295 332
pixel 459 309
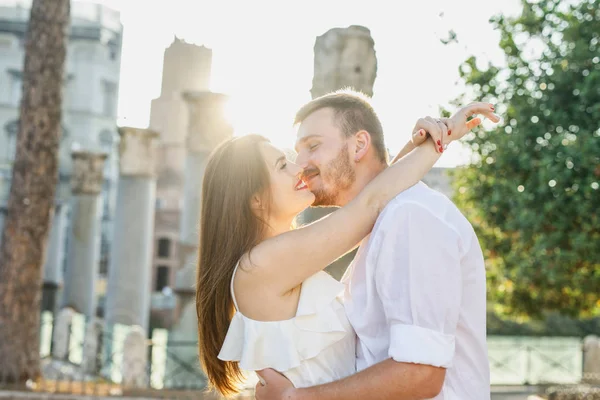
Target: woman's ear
pixel 256 203
pixel 363 142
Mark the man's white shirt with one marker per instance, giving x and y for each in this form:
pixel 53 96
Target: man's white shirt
pixel 415 292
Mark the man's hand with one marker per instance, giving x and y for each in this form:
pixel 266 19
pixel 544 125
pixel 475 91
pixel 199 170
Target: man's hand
pixel 273 386
pixel 445 130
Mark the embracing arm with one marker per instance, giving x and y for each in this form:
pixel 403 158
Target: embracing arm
pixel 408 147
pixel 304 251
pixel 419 282
pixel 386 380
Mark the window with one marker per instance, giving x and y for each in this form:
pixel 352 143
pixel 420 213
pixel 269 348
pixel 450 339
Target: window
pixel 164 248
pixel 11 130
pixel 16 87
pixel 106 205
pixel 106 143
pixel 113 49
pixel 68 91
pixel 162 278
pixel 104 254
pixel 109 91
pixel 12 147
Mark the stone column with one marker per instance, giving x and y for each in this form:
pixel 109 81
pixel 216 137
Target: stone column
pixel 61 335
pixel 90 362
pixel 207 128
pixel 344 58
pixel 84 233
pixel 591 360
pixel 130 269
pixel 53 267
pixel 135 359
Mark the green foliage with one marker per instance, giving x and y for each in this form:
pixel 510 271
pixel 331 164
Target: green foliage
pixel 532 191
pixel 552 324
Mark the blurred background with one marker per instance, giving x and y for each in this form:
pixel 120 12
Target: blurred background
pixel 101 171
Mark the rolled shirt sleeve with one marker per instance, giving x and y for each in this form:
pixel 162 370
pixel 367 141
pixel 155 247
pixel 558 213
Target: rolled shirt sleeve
pixel 418 279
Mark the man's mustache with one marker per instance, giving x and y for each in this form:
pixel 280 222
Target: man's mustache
pixel 308 173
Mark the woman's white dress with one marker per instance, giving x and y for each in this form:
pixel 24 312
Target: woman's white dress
pixel 316 346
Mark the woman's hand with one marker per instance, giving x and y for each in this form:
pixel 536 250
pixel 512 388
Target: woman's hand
pixel 446 130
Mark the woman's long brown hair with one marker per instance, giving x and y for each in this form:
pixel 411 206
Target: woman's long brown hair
pixel 235 172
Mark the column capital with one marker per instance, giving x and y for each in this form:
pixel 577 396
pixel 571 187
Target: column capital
pixel 207 126
pixel 88 172
pixel 137 152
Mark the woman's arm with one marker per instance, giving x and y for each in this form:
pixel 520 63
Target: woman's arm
pixel 408 147
pixel 286 260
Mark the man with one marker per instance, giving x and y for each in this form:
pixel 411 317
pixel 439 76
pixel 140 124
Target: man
pixel 415 292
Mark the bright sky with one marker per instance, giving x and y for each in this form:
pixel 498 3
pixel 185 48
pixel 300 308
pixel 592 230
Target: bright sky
pixel 263 55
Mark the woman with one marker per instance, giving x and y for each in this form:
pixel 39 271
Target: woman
pixel 251 195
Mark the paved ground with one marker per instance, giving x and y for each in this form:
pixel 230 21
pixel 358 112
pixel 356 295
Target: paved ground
pixel 510 396
pixel 498 393
pixel 513 392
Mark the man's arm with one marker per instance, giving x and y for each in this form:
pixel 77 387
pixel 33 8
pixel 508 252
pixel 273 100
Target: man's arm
pixel 419 281
pixel 383 381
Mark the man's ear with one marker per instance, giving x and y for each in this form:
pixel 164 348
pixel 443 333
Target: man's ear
pixel 363 142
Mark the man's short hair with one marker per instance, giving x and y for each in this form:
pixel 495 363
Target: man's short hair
pixel 353 112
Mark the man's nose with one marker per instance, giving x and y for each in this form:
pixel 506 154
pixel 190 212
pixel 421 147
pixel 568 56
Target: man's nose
pixel 296 169
pixel 302 160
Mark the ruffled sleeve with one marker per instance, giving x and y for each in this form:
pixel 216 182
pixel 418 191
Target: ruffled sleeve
pixel 283 345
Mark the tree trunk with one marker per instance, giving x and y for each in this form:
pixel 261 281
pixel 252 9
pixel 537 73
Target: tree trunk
pixel 31 199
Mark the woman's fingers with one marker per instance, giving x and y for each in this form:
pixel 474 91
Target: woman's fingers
pixel 449 122
pixel 473 123
pixel 426 126
pixel 436 133
pixel 419 137
pixel 486 109
pixel 459 125
pixel 444 131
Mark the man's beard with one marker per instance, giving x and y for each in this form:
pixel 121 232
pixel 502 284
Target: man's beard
pixel 337 175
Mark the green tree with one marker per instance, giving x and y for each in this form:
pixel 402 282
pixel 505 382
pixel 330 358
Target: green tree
pixel 31 199
pixel 532 191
